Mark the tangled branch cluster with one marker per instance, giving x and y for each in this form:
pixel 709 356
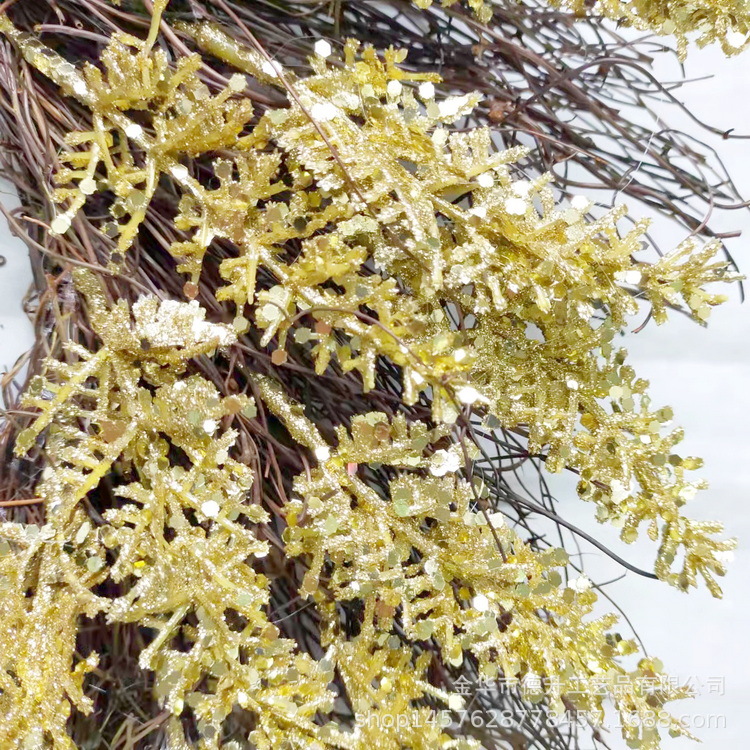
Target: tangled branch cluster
pixel 349 227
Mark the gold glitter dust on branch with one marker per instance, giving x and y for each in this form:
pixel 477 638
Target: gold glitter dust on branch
pixel 268 474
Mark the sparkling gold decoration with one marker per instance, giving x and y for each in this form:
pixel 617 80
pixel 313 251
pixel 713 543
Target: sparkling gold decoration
pixel 705 21
pixel 481 8
pixel 726 22
pixel 413 244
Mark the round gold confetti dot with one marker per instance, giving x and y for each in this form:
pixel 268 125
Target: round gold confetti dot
pixel 279 357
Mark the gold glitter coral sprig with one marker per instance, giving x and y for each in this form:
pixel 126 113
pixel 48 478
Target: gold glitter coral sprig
pixel 726 22
pixel 178 541
pixel 415 244
pixel 351 222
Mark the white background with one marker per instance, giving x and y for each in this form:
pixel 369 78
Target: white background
pixel 705 375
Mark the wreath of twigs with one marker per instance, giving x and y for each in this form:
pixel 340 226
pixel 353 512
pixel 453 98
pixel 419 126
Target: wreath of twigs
pixel 578 93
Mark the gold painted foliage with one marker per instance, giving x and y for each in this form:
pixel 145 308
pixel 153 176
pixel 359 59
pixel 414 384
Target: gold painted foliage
pixel 423 553
pixel 406 231
pixel 482 9
pixel 361 227
pixel 179 542
pixel 726 22
pixel 180 539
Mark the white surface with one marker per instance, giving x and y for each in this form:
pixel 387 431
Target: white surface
pixel 16 332
pixel 704 375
